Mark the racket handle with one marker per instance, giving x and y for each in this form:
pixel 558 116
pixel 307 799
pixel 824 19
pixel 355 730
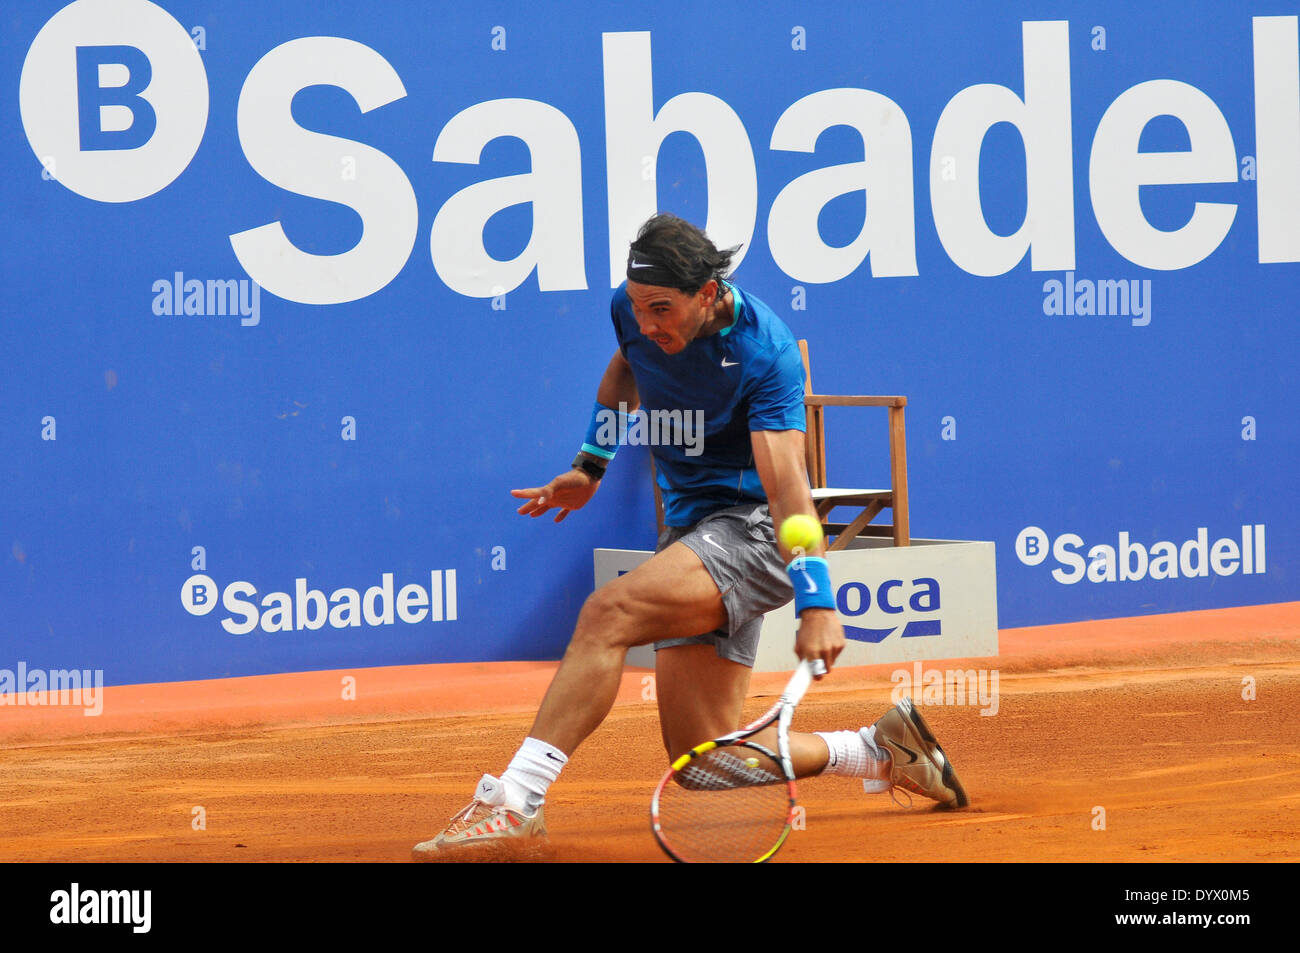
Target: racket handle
pixel 801 679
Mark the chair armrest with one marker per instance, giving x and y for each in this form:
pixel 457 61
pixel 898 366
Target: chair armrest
pixel 828 400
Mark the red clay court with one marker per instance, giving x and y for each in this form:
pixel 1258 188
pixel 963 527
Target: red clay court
pixel 1143 717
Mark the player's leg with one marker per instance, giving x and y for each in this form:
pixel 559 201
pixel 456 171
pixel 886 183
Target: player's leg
pixel 670 595
pixel 702 681
pixel 701 695
pixel 741 555
pixel 701 692
pixel 898 750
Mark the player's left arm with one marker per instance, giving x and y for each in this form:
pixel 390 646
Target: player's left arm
pixel 779 459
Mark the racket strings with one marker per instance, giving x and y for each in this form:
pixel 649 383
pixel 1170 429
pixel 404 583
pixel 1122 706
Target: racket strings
pixel 729 805
pixel 725 768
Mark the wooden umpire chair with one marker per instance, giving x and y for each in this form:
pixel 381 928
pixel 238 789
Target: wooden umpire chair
pixel 870 503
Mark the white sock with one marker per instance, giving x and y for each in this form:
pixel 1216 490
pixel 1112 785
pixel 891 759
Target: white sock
pixel 868 736
pixel 535 766
pixel 855 754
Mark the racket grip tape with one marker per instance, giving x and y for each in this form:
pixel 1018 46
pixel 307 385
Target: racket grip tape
pixel 799 682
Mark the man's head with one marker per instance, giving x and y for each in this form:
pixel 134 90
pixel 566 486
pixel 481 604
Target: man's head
pixel 674 275
pixel 672 253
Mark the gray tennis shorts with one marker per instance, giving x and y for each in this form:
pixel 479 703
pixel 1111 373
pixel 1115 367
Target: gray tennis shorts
pixel 738 548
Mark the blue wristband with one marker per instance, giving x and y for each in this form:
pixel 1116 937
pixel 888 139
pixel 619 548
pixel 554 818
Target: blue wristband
pixel 811 578
pixel 605 431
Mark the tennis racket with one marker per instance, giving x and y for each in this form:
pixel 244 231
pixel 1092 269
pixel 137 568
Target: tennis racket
pixel 732 800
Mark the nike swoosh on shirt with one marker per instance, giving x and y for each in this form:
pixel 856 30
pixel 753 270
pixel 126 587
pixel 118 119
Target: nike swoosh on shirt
pixel 725 363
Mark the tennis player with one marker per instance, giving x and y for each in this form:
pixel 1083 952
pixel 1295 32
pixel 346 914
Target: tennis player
pixel 690 340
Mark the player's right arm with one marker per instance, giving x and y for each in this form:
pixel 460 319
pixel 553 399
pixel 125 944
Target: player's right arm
pixel 572 489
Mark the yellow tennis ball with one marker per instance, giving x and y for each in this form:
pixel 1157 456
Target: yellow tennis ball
pixel 800 532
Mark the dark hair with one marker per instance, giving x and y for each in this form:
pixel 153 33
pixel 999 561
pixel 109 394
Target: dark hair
pixel 676 254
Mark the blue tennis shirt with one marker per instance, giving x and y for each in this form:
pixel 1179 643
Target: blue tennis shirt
pixel 746 377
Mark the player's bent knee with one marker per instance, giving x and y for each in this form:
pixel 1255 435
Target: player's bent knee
pixel 607 620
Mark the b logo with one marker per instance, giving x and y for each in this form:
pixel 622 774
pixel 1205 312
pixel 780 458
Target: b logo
pixel 116 94
pixel 199 594
pixel 1031 546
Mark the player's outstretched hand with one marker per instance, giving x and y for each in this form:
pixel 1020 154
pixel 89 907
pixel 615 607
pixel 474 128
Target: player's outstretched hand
pixel 567 492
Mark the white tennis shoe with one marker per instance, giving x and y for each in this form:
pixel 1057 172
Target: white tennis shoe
pixel 485 820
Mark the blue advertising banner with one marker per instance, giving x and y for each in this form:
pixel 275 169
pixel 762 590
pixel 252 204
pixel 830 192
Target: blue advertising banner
pixel 295 294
